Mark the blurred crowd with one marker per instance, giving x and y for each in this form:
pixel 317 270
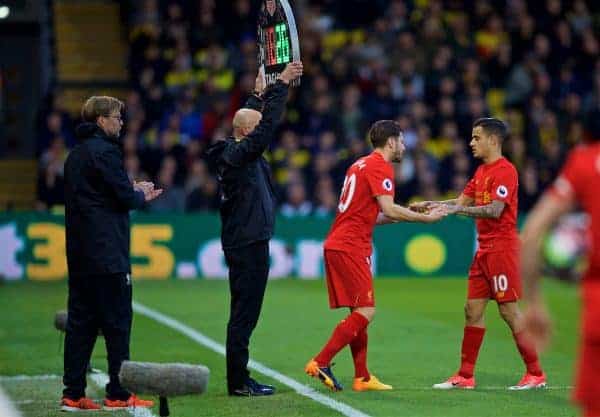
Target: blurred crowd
pixel 434 66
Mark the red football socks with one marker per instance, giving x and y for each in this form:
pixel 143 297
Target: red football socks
pixel 528 354
pixel 359 355
pixel 591 411
pixel 343 334
pixel 472 339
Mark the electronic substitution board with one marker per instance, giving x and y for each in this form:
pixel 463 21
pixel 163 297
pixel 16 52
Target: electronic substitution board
pixel 278 42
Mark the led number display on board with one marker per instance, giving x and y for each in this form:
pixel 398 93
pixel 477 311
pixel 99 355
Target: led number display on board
pixel 277 38
pixel 277 45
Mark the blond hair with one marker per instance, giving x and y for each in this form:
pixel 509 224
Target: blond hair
pixel 97 106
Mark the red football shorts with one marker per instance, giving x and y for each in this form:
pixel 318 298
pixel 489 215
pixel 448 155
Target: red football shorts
pixel 587 388
pixel 495 275
pixel 349 279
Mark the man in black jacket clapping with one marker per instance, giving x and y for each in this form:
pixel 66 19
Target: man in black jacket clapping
pixel 98 197
pixel 248 216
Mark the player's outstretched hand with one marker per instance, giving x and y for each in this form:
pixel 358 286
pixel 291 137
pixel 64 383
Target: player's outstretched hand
pixel 437 213
pixel 538 325
pixel 292 71
pixel 421 206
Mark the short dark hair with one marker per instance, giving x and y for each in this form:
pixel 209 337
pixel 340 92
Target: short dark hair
pixel 97 106
pixel 382 130
pixel 493 126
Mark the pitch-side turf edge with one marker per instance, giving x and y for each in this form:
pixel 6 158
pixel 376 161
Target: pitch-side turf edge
pixel 209 343
pixel 99 378
pixel 396 388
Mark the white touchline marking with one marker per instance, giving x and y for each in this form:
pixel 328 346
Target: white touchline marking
pixel 26 402
pixel 7 407
pixel 201 339
pixel 14 378
pixel 101 379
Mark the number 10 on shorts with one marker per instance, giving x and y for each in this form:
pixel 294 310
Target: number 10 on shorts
pixel 500 282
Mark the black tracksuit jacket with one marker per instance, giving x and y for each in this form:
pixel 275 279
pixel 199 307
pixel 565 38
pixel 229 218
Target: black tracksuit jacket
pixel 247 195
pixel 98 198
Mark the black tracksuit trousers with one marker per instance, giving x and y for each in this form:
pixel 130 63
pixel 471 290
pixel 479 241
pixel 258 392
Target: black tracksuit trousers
pixel 248 272
pixel 97 302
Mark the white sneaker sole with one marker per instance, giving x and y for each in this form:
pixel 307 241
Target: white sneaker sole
pixel 527 387
pixel 448 386
pixel 130 407
pixel 68 409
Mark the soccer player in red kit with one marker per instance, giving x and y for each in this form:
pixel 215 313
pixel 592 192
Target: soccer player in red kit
pixel 367 199
pixel 577 185
pixel 491 197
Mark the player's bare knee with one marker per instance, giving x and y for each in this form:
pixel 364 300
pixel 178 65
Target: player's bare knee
pixel 367 312
pixel 469 316
pixel 504 311
pixel 473 315
pixel 511 314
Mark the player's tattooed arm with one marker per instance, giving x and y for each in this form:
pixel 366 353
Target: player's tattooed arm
pixel 402 214
pixel 424 206
pixel 489 211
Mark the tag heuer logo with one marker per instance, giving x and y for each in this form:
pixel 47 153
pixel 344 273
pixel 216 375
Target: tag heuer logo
pixel 502 191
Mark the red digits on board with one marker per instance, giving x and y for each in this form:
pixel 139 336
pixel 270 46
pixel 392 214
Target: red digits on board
pixel 270 37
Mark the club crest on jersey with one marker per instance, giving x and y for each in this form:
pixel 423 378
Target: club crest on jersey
pixel 502 191
pixel 387 184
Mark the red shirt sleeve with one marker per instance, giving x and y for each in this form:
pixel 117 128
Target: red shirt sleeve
pixel 504 185
pixel 380 180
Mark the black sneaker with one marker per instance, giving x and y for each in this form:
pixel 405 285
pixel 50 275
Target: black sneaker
pixel 252 388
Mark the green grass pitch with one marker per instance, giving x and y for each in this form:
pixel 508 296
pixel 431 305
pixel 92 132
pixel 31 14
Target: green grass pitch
pixel 413 343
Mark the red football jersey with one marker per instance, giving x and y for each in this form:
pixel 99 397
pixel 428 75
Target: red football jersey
pixel 496 181
pixel 580 178
pixel 358 208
